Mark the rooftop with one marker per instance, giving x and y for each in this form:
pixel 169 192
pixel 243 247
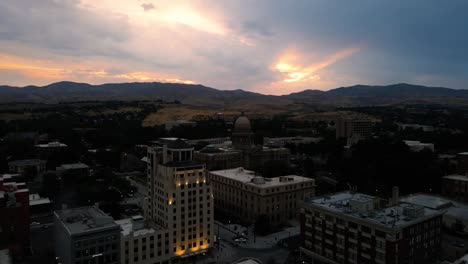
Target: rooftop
pixel 85 219
pixel 450 207
pixel 127 227
pixel 426 200
pixel 249 177
pixel 362 208
pixel 415 142
pixel 36 199
pixel 73 166
pixel 27 162
pixel 457 177
pixel 54 144
pixel 213 150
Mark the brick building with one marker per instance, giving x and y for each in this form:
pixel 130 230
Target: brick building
pixel 14 217
pixel 350 227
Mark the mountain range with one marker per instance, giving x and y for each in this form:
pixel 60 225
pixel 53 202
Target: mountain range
pixel 199 95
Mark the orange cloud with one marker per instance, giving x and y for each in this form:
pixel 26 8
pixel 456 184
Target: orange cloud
pixel 42 71
pixel 31 69
pixel 294 72
pixel 147 77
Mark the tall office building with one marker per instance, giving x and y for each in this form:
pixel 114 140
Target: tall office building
pixel 179 196
pixel 179 215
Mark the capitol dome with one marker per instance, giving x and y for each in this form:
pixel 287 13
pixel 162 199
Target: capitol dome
pixel 242 125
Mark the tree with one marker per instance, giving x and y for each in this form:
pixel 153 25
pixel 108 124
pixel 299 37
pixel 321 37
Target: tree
pixel 50 186
pixel 262 225
pixel 274 168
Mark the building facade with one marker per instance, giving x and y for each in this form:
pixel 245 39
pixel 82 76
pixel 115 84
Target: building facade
pixel 455 216
pixel 142 242
pixel 30 168
pixel 352 227
pixel 455 186
pixel 86 235
pixel 462 163
pixel 246 196
pixel 179 216
pixel 219 158
pixel 14 217
pixel 353 129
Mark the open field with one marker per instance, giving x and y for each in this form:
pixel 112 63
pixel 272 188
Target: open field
pixel 14 116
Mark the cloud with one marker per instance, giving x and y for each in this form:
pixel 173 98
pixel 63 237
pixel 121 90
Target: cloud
pixel 148 6
pixel 269 46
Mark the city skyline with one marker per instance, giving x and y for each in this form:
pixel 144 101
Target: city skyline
pixel 260 46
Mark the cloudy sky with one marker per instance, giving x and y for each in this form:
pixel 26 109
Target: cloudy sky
pixel 267 46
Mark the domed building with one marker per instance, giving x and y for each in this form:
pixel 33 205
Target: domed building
pixel 242 136
pixel 243 152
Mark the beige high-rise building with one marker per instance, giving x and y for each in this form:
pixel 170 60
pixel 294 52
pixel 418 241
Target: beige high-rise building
pixel 244 195
pixel 179 215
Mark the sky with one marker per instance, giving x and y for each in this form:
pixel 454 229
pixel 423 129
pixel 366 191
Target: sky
pixel 265 46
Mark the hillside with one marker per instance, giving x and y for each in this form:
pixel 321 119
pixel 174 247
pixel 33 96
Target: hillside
pixel 199 95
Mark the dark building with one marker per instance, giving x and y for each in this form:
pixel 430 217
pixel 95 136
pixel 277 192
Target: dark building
pixel 86 235
pixel 29 168
pixel 462 163
pixel 350 227
pixel 14 217
pixel 75 170
pixel 354 129
pixel 455 186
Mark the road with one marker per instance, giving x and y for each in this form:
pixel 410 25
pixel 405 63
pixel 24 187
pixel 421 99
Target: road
pixel 229 251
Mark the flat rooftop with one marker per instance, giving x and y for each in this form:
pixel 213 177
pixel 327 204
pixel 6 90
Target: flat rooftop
pixel 426 200
pixel 127 226
pixel 74 166
pixel 54 144
pixel 416 143
pixel 393 217
pixel 36 199
pixel 247 177
pixel 27 162
pixel 85 219
pixel 457 177
pixel 450 207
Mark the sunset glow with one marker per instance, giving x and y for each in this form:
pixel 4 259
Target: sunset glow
pixel 221 44
pixel 292 72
